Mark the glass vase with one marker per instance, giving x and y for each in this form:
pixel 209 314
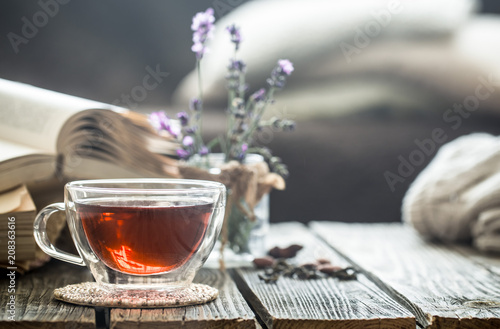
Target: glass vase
pixel 245 236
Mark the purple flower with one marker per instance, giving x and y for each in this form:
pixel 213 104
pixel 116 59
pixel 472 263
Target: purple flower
pixel 203 150
pixel 199 49
pixel 279 73
pixel 203 20
pixel 174 130
pixel 187 141
pixel 183 118
pixel 183 154
pixel 195 104
pixel 237 65
pixel 191 130
pixel 235 35
pixel 242 154
pixel 259 95
pixel 286 66
pixel 203 27
pixel 160 121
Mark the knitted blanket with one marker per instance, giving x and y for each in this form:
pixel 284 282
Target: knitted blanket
pixel 457 197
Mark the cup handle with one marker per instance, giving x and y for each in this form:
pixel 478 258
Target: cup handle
pixel 42 239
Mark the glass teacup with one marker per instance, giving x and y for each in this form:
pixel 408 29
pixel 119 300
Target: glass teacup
pixel 149 234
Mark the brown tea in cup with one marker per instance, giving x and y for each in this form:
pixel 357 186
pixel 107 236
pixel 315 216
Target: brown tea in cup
pixel 149 238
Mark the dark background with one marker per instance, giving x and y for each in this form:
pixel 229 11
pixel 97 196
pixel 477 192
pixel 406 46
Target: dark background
pixel 99 50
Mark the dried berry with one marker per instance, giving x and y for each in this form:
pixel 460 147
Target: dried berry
pixel 303 274
pixel 276 268
pixel 281 266
pixel 329 268
pixel 264 262
pixel 275 252
pixel 269 279
pixel 292 250
pixel 323 261
pixel 347 273
pixel 309 266
pixel 288 252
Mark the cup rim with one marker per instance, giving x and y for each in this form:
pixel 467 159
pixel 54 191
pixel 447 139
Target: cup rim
pixel 199 185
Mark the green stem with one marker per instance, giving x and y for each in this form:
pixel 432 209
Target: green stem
pixel 199 121
pixel 260 112
pixel 241 89
pixel 230 121
pixel 200 87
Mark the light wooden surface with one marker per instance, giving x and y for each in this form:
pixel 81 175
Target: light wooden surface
pixel 229 310
pixel 489 261
pixel 320 303
pixel 405 283
pixel 35 304
pixel 442 286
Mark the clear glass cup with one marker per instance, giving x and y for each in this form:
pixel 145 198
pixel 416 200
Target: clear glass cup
pixel 138 233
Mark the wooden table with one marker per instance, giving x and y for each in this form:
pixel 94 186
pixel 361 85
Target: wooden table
pixel 405 282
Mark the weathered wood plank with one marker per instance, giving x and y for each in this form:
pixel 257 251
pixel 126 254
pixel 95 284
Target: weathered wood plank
pixel 321 303
pixel 229 310
pixel 35 305
pixel 443 288
pixel 490 261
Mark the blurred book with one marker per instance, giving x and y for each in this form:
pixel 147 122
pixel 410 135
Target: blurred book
pixel 17 245
pixel 46 135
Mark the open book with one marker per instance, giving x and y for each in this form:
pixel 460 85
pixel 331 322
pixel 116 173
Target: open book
pixel 44 134
pixel 19 210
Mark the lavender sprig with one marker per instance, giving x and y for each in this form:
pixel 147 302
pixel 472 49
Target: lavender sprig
pixel 245 113
pixel 235 35
pixel 260 99
pixel 236 104
pixel 280 73
pixel 275 163
pixel 203 29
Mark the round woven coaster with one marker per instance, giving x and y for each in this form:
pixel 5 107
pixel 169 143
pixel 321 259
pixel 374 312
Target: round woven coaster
pixel 91 294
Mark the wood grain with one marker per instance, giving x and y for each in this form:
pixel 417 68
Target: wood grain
pixel 229 310
pixel 489 261
pixel 35 304
pixel 442 287
pixel 321 303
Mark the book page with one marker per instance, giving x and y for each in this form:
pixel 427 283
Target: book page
pixel 33 116
pixel 10 150
pixel 17 200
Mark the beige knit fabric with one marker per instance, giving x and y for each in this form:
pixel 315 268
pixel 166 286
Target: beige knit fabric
pixel 457 197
